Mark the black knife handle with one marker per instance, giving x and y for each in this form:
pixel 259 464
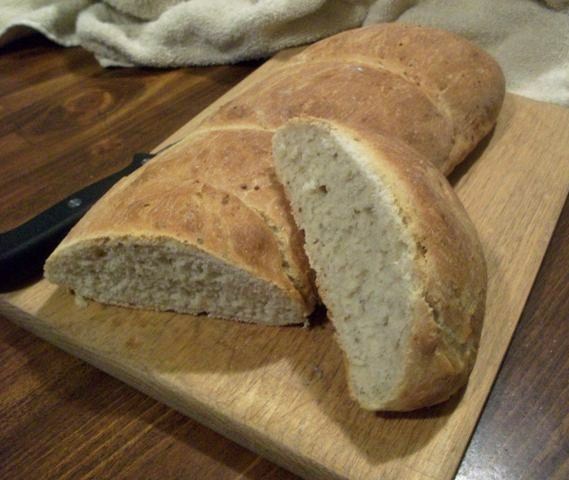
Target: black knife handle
pixel 24 249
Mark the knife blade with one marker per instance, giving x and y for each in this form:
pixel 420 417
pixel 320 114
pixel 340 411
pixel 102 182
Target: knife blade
pixel 24 249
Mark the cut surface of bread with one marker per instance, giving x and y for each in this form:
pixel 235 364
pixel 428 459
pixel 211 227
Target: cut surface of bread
pixel 171 276
pixel 406 296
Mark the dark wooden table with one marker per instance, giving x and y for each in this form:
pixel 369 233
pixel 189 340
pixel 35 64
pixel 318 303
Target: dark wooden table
pixel 66 122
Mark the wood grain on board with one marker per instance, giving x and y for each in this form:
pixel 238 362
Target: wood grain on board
pixel 282 391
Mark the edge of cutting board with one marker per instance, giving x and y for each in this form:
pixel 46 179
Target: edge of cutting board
pixel 293 408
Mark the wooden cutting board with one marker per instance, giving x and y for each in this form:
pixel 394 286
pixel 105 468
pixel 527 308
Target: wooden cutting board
pixel 282 391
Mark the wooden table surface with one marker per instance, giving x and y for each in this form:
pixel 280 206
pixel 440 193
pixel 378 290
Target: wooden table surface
pixel 64 123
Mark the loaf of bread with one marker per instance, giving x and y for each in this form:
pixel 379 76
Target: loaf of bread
pixel 398 262
pixel 205 226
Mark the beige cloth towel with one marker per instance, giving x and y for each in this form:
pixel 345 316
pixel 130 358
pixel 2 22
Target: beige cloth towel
pixel 529 38
pixel 171 33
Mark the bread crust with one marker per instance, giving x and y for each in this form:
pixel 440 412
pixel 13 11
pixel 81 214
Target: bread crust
pixel 246 173
pixel 378 101
pixel 430 88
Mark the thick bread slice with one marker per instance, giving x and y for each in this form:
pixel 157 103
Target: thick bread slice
pixel 208 234
pixel 398 262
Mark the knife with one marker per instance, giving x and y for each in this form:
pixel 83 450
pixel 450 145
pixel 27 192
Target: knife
pixel 24 249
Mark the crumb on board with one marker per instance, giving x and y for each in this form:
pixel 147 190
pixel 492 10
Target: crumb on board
pixel 80 301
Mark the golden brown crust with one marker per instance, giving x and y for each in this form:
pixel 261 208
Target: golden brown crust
pixel 432 89
pixel 355 94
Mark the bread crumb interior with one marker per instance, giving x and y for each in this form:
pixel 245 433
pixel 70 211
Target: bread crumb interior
pixel 360 248
pixel 163 274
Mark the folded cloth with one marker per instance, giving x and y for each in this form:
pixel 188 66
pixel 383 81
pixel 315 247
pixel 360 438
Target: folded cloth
pixel 530 40
pixel 57 20
pixel 171 33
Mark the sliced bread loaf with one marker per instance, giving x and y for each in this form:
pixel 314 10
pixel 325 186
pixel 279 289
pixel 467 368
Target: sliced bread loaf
pixel 398 262
pixel 204 227
pixel 199 229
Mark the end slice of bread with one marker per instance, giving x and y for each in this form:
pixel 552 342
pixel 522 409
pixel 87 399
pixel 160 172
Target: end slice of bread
pixel 179 244
pixel 397 260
